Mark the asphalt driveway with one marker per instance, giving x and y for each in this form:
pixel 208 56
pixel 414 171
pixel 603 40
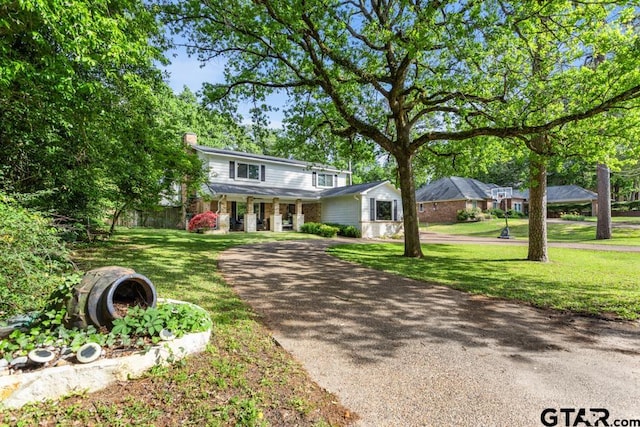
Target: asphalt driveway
pixel 404 353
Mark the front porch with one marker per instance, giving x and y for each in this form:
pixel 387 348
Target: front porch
pixel 254 213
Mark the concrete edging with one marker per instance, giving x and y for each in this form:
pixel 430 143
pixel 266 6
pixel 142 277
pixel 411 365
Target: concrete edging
pixel 53 383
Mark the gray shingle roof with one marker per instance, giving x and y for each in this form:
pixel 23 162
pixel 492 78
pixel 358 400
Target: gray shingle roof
pixel 256 190
pixel 567 194
pixel 351 189
pixel 454 188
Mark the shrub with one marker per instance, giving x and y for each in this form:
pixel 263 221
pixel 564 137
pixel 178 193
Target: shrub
pixel 469 214
pixel 572 217
pixel 34 259
pixel 498 213
pixel 205 220
pixel 515 214
pixel 351 231
pixel 319 229
pixel 346 230
pixel 310 227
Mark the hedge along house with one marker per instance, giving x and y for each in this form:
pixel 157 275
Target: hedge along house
pixel 252 192
pixel 441 200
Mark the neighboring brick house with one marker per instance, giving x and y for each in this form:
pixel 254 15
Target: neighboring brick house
pixel 253 192
pixel 441 200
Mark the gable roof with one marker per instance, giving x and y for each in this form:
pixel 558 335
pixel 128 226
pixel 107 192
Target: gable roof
pixel 352 189
pixel 454 188
pixel 263 158
pixel 567 194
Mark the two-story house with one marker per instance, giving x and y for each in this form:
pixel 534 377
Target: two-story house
pixel 252 192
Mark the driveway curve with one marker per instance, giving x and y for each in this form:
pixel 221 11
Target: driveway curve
pixel 399 352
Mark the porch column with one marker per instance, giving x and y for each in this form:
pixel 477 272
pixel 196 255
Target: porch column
pixel 298 218
pixel 223 216
pixel 250 218
pixel 276 218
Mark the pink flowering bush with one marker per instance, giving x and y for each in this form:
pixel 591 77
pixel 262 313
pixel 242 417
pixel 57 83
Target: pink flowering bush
pixel 205 220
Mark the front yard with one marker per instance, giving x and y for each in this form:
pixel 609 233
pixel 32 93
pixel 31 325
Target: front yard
pixel 243 378
pixel 558 231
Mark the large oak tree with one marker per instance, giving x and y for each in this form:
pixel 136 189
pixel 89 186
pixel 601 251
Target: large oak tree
pixel 412 75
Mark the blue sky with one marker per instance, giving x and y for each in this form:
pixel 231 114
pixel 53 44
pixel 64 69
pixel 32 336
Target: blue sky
pixel 186 71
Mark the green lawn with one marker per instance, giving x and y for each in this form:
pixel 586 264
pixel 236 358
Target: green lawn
pixel 565 231
pixel 583 281
pixel 244 378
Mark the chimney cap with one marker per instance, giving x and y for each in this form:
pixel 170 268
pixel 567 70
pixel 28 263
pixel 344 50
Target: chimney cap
pixel 190 138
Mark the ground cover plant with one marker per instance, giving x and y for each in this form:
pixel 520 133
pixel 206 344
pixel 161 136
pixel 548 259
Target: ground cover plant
pixel 583 281
pixel 244 378
pixel 565 231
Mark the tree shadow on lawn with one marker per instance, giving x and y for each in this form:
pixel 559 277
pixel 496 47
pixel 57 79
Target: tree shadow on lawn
pixel 305 293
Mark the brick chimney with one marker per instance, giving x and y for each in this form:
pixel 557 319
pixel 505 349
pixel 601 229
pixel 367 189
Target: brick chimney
pixel 190 139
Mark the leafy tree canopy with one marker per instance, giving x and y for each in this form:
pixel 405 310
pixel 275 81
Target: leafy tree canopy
pixel 408 75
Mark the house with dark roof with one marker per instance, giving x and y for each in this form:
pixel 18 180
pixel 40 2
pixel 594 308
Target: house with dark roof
pixel 568 195
pixel 441 200
pixel 252 192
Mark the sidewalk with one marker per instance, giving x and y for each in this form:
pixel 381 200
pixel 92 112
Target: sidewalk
pixel 404 353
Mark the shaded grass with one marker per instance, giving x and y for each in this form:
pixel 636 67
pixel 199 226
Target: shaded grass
pixel 569 231
pixel 582 281
pixel 244 378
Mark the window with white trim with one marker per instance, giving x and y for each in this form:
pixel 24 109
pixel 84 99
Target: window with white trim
pixel 325 180
pixel 383 210
pixel 248 171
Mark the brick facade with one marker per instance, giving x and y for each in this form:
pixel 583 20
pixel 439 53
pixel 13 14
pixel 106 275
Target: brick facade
pixel 441 211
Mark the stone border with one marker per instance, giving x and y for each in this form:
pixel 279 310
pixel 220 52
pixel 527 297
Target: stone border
pixel 53 383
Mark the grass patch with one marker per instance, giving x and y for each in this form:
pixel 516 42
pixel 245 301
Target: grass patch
pixel 568 231
pixel 244 377
pixel 582 281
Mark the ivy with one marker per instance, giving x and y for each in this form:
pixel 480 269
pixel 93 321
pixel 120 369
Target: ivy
pixel 139 327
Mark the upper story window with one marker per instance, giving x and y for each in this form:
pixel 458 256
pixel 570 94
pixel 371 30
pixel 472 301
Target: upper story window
pixel 324 180
pixel 248 171
pixel 239 170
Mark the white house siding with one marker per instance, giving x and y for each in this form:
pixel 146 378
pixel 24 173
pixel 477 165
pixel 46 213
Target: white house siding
pixel 276 175
pixel 373 229
pixel 383 192
pixel 341 210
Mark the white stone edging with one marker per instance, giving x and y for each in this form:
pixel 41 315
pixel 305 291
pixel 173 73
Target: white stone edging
pixel 53 383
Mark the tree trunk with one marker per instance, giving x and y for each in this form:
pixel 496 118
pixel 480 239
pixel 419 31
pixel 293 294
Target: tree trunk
pixel 603 229
pixel 183 203
pixel 537 208
pixel 116 215
pixel 412 247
